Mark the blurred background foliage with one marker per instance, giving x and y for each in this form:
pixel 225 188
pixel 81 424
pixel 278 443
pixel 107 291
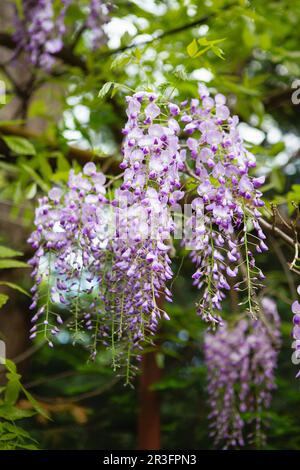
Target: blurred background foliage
pixel 54 120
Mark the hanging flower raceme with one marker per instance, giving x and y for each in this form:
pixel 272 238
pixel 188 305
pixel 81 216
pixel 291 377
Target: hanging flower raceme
pixel 296 330
pixel 71 244
pixel 98 270
pixel 226 207
pixel 241 361
pixel 152 156
pixel 39 30
pixel 40 27
pixel 152 161
pixel 97 18
pixel 113 283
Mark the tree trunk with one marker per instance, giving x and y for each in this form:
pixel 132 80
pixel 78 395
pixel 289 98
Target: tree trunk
pixel 149 413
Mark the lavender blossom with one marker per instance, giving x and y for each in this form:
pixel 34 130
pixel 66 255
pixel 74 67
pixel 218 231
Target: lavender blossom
pixel 70 257
pixel 39 32
pixel 41 29
pixel 98 16
pixel 226 207
pixel 113 285
pixel 241 361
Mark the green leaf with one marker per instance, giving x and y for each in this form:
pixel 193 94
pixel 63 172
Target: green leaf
pixel 276 148
pixel 36 177
pixel 6 252
pixel 19 7
pixel 7 436
pixel 14 377
pixel 3 299
pixel 105 89
pixel 137 54
pixel 15 287
pixel 12 122
pixel 62 163
pixel 13 413
pixel 34 403
pixel 28 446
pixel 120 61
pixel 206 42
pixel 11 366
pixel 219 52
pixel 192 48
pixel 199 53
pixel 45 168
pixel 265 41
pixel 12 390
pixel 9 167
pixel 12 263
pixel 19 145
pixel 31 191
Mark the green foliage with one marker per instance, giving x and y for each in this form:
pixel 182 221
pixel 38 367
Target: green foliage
pixel 107 87
pixel 192 48
pixel 8 263
pixel 6 252
pixel 19 146
pixel 254 66
pixel 15 287
pixel 194 52
pixel 3 299
pixel 13 436
pixel 12 263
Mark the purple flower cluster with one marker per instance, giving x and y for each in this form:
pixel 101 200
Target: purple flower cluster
pixel 39 31
pixel 98 16
pixel 226 205
pixel 241 361
pixel 151 163
pixel 113 283
pixel 41 27
pixel 95 259
pixel 70 260
pixel 296 328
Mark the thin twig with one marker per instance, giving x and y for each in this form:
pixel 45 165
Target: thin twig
pixel 28 352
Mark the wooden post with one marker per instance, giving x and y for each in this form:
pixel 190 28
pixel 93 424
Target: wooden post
pixel 149 412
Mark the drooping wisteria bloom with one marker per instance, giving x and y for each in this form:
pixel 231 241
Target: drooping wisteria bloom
pixel 296 329
pixel 152 155
pixel 226 207
pixel 152 160
pixel 98 16
pixel 95 259
pixel 40 29
pixel 241 361
pixel 71 256
pixel 114 285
